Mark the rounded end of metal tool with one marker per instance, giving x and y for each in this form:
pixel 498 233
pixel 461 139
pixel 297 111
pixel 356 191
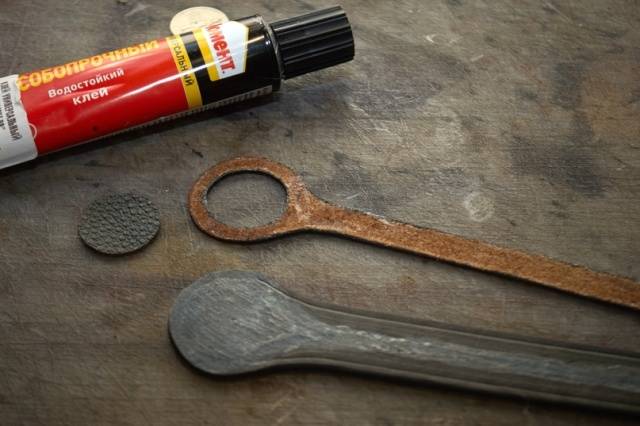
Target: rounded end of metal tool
pixel 233 322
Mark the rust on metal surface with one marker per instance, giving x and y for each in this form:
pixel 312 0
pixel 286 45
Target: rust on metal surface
pixel 306 212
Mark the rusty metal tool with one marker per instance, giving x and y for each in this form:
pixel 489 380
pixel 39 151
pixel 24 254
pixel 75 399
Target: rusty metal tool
pixel 306 212
pixel 236 322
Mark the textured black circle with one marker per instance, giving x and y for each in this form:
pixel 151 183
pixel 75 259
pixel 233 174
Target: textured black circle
pixel 119 223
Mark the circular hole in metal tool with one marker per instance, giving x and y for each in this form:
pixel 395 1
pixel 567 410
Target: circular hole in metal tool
pixel 119 223
pixel 247 200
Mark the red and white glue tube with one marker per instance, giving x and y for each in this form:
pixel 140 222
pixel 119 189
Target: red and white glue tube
pixel 59 107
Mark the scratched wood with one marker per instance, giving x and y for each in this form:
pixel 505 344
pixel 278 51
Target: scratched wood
pixel 513 122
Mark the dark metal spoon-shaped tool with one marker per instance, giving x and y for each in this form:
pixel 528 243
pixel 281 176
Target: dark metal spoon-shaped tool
pixel 235 322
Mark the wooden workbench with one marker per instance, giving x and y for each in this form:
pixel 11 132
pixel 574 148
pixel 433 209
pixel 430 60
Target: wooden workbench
pixel 514 122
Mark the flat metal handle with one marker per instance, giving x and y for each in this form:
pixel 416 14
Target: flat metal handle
pixel 475 254
pixel 474 360
pixel 306 212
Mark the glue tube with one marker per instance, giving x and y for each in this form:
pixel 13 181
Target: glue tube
pixel 59 107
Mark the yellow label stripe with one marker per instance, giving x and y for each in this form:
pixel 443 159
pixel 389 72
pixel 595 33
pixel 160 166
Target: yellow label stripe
pixel 183 64
pixel 206 54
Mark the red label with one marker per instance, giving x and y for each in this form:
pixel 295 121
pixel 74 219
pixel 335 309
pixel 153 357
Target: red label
pixel 101 95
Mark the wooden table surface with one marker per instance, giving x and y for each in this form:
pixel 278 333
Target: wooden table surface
pixel 514 122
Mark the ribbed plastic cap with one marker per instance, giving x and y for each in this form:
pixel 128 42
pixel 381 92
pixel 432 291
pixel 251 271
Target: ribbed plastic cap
pixel 314 41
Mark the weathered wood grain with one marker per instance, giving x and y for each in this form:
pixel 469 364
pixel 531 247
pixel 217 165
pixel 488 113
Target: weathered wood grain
pixel 512 122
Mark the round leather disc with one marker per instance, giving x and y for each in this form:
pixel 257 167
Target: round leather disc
pixel 119 223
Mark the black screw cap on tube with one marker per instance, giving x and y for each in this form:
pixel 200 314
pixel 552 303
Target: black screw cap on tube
pixel 314 41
